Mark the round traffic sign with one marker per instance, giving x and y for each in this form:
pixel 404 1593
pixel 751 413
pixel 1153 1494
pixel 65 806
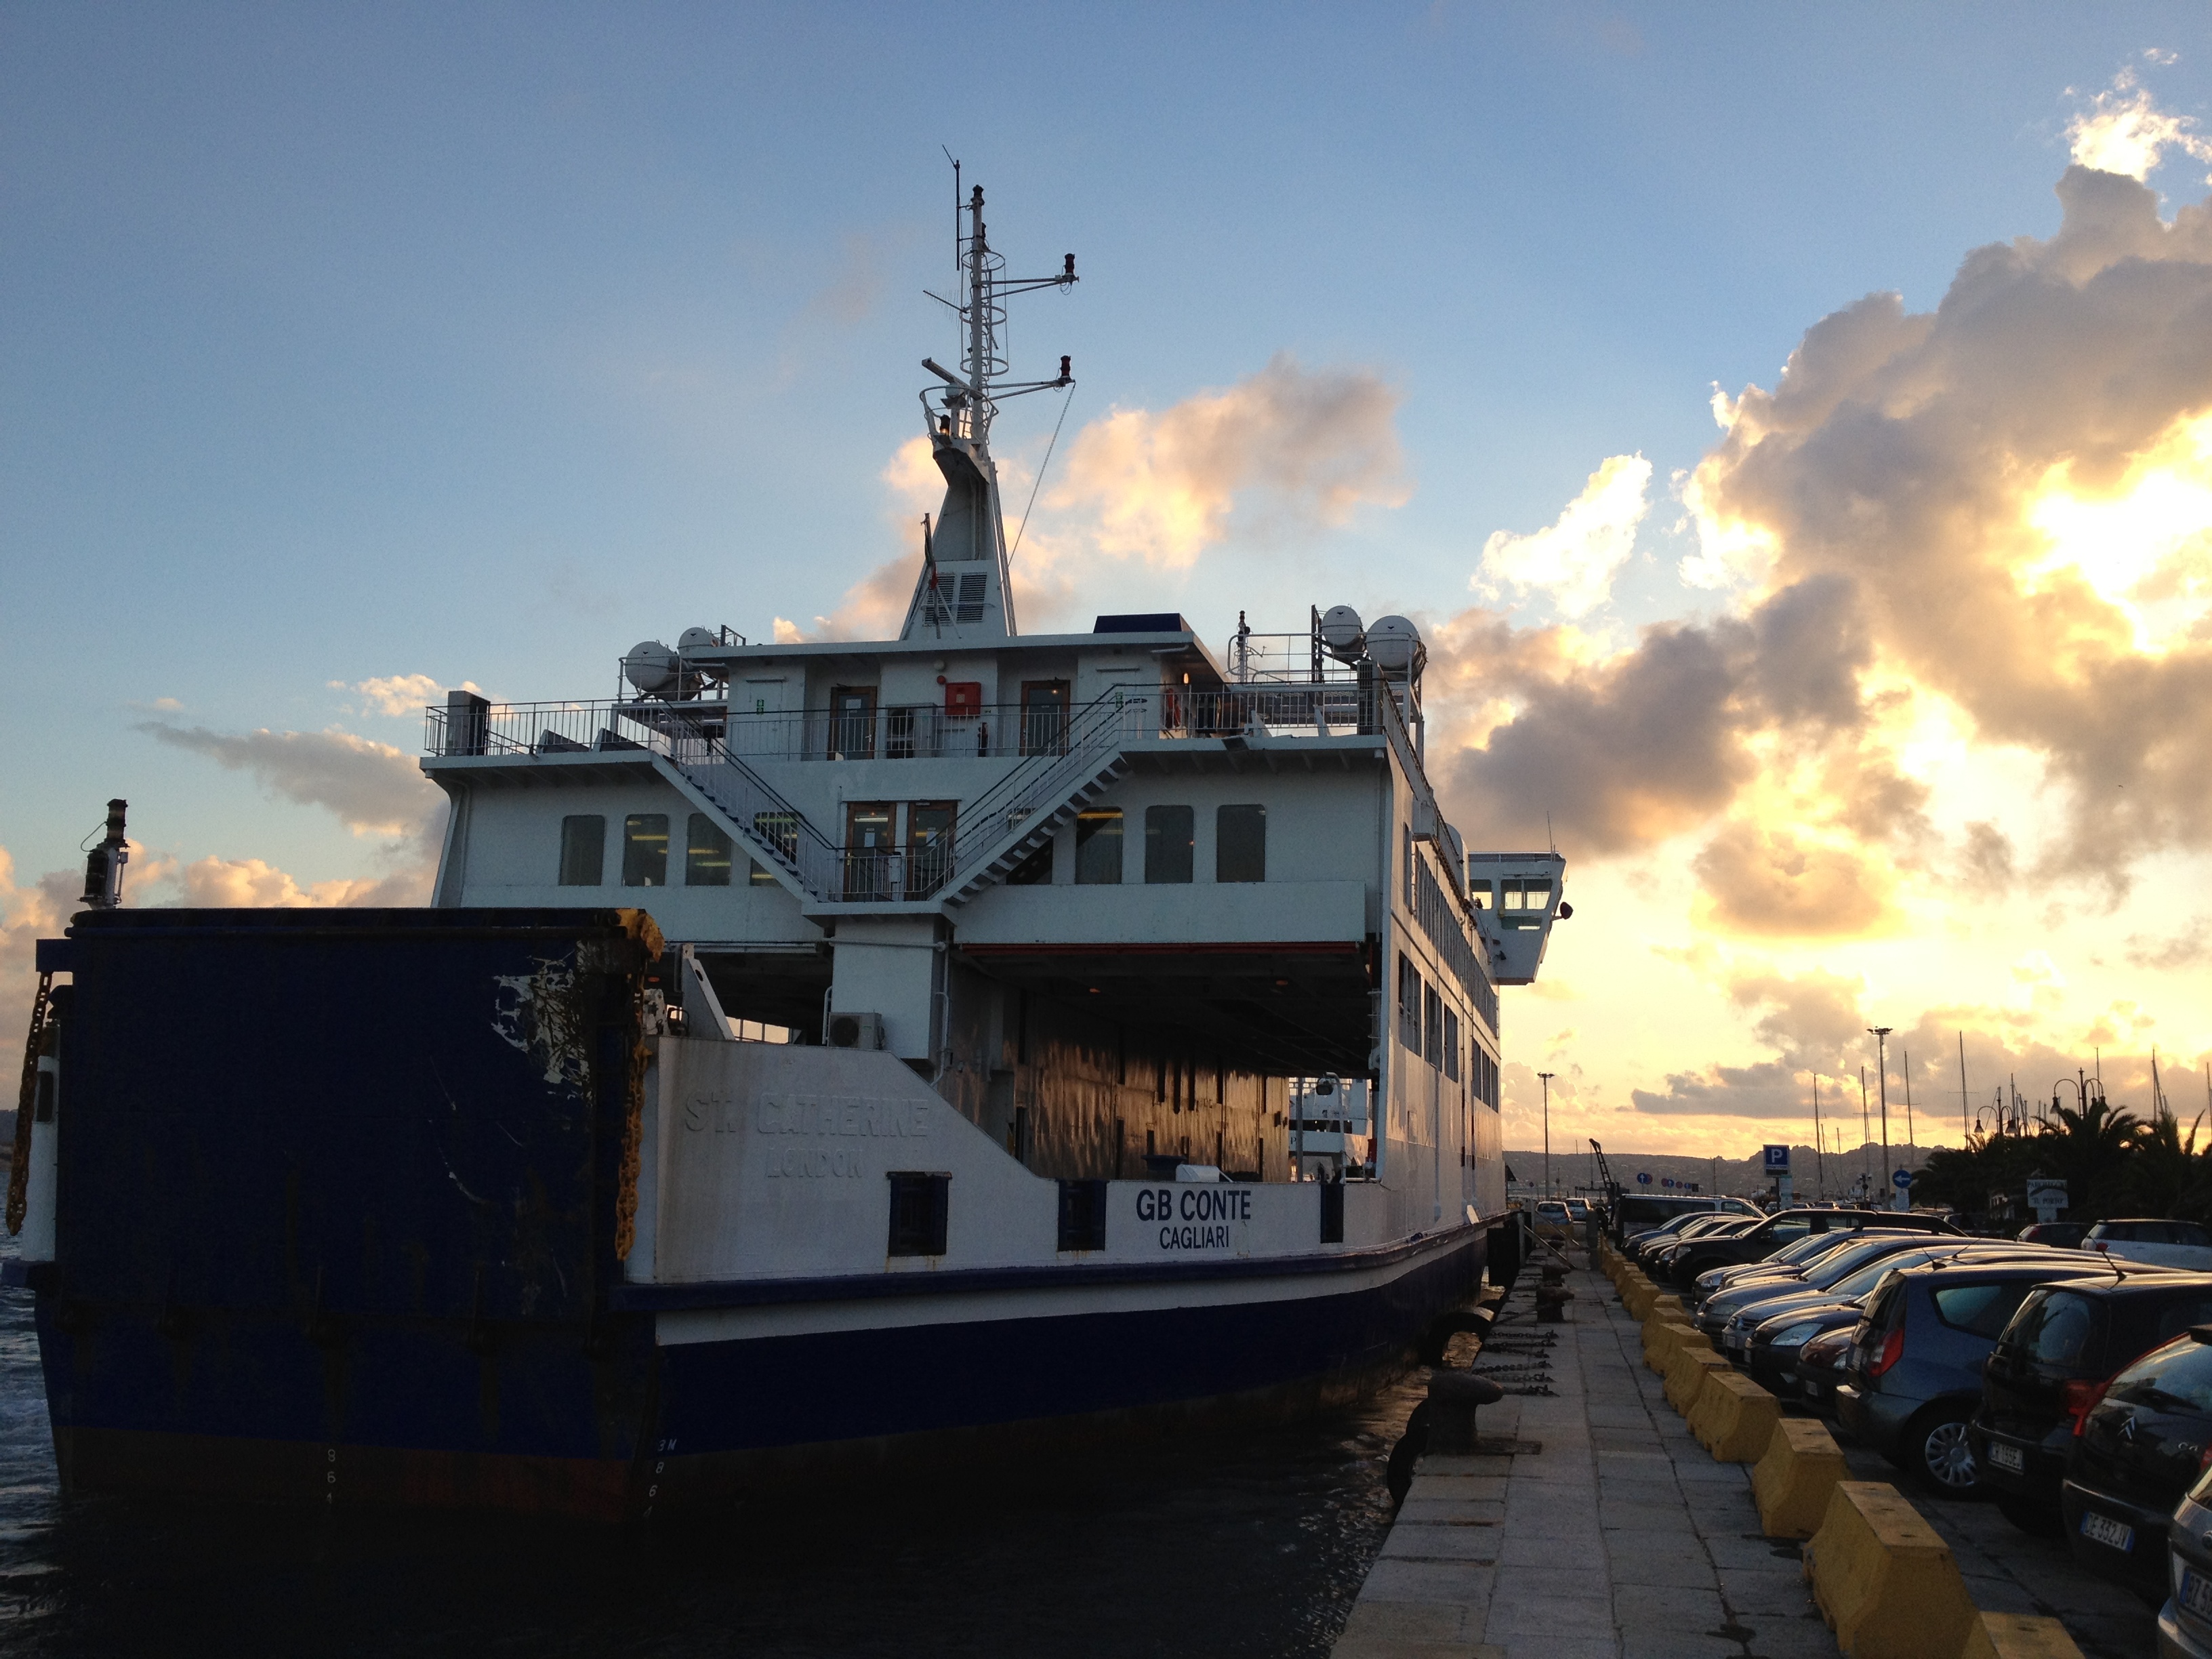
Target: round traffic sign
pixel 1643 1180
pixel 1902 1178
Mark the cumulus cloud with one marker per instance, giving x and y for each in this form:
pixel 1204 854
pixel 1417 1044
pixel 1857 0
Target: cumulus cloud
pixel 1302 447
pixel 1765 880
pixel 2121 130
pixel 1940 464
pixel 1315 444
pixel 1950 1063
pixel 395 694
pixel 1626 749
pixel 1574 559
pixel 1996 516
pixel 374 788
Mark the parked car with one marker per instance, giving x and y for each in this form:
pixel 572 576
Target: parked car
pixel 2049 1368
pixel 1638 1213
pixel 2136 1455
pixel 1788 1321
pixel 2162 1244
pixel 1820 1368
pixel 1848 1254
pixel 1659 1259
pixel 1789 1226
pixel 2066 1234
pixel 2184 1623
pixel 1912 1371
pixel 1790 1261
pixel 1641 1248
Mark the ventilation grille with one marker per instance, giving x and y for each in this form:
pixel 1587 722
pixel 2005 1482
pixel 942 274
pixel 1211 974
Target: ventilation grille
pixel 970 603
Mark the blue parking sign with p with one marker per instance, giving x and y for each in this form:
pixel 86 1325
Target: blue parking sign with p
pixel 1777 1159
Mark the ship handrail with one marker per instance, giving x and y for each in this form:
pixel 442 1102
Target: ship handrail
pixel 1011 807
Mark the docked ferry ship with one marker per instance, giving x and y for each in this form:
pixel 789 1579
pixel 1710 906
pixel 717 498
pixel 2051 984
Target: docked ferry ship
pixel 817 1056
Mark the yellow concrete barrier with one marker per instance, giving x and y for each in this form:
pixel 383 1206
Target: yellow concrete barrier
pixel 1662 1309
pixel 2018 1636
pixel 1638 1293
pixel 1661 1340
pixel 1792 1482
pixel 1884 1581
pixel 1686 1376
pixel 1734 1418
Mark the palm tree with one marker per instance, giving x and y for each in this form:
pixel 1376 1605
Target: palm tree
pixel 2090 1144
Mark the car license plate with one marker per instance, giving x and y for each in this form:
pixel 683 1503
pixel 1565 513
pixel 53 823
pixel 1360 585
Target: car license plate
pixel 2008 1457
pixel 2103 1529
pixel 2197 1595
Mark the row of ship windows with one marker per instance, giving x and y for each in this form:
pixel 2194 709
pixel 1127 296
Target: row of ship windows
pixel 1240 847
pixel 1429 1028
pixel 708 855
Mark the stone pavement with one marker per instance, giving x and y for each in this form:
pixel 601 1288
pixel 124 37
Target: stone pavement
pixel 1619 1539
pixel 2007 1571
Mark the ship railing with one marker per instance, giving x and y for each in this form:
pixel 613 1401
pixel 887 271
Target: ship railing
pixel 1048 778
pixel 895 732
pixel 1264 709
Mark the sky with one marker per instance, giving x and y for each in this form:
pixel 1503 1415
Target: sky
pixel 1791 428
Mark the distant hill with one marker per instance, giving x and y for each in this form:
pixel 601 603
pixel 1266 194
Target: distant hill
pixel 1837 1173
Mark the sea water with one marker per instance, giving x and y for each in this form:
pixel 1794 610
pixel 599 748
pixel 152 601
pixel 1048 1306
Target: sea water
pixel 1250 1543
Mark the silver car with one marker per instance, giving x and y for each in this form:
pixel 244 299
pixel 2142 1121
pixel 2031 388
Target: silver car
pixel 2184 1623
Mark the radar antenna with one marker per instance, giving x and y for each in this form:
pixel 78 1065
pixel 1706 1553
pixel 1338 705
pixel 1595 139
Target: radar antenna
pixel 964 585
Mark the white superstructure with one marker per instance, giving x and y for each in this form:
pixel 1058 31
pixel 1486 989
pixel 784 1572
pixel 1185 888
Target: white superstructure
pixel 1104 893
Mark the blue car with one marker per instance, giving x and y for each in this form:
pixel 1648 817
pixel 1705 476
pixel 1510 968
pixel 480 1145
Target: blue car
pixel 1913 1377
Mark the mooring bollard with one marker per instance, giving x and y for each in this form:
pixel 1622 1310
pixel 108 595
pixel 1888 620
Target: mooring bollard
pixel 1454 1397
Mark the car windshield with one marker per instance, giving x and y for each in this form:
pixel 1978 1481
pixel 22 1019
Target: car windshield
pixel 1855 1285
pixel 1808 1250
pixel 2176 1376
pixel 1849 1258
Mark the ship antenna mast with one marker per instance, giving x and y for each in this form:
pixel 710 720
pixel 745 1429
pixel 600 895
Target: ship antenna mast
pixel 969 400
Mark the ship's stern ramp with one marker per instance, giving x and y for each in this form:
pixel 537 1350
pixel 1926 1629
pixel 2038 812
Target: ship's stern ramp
pixel 339 1206
pixel 1518 896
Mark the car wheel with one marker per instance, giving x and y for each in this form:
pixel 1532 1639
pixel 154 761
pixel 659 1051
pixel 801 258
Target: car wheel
pixel 2039 1520
pixel 1936 1451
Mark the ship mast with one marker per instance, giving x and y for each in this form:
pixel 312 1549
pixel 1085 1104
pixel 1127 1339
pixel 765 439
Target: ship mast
pixel 964 590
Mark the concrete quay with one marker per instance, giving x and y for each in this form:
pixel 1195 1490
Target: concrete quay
pixel 1618 1537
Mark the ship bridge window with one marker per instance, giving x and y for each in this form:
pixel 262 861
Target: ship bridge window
pixel 1524 900
pixel 583 850
pixel 706 853
pixel 645 849
pixel 1098 845
pixel 1240 843
pixel 1169 838
pixel 1478 895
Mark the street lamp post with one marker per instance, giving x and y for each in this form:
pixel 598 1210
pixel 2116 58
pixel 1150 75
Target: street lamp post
pixel 1880 1035
pixel 1547 1077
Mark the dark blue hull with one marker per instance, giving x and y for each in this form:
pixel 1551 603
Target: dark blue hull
pixel 374 1256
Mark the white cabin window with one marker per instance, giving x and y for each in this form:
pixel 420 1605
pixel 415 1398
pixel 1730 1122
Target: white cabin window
pixel 1240 843
pixel 1169 836
pixel 1098 845
pixel 706 853
pixel 645 849
pixel 583 850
